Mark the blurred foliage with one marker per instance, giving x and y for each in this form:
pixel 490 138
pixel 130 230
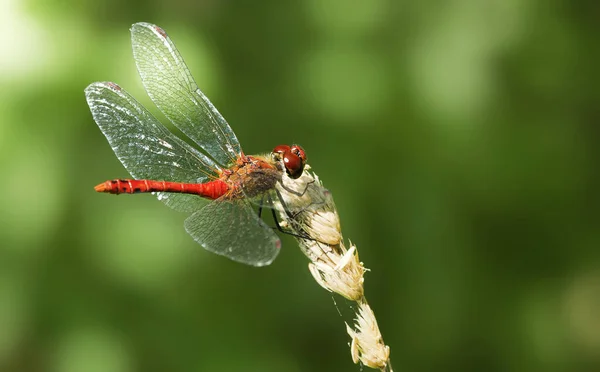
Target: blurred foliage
pixel 460 140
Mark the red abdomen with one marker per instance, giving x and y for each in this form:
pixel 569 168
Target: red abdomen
pixel 210 190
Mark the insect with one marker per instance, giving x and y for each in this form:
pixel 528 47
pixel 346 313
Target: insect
pixel 219 184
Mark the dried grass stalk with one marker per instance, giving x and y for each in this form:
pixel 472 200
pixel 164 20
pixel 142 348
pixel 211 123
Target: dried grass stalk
pixel 307 209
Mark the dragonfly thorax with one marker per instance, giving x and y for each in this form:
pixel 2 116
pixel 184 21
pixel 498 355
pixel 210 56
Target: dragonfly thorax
pixel 252 176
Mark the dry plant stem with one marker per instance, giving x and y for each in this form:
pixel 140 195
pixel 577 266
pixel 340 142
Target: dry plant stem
pixel 307 209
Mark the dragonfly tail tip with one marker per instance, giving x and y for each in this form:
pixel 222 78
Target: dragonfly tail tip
pixel 101 187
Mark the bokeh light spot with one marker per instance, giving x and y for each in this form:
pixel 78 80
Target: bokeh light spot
pixel 32 200
pixel 346 84
pixel 13 314
pixel 143 247
pixel 91 350
pixel 339 18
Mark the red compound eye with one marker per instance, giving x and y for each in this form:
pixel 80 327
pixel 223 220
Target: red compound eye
pixel 299 152
pixel 281 149
pixel 294 161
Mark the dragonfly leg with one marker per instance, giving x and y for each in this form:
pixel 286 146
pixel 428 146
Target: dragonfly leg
pixel 260 208
pixel 278 226
pixel 293 215
pixel 296 192
pixel 281 229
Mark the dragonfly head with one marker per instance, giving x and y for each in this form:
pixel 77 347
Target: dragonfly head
pixel 293 157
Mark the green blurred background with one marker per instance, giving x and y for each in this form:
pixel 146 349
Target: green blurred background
pixel 460 140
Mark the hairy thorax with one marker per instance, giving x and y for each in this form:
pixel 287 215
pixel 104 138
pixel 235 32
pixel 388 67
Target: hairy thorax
pixel 251 176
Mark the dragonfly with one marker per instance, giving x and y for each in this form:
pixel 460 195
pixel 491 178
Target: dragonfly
pixel 216 182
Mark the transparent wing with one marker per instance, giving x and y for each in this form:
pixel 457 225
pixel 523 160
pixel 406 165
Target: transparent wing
pixel 172 88
pixel 145 147
pixel 233 229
